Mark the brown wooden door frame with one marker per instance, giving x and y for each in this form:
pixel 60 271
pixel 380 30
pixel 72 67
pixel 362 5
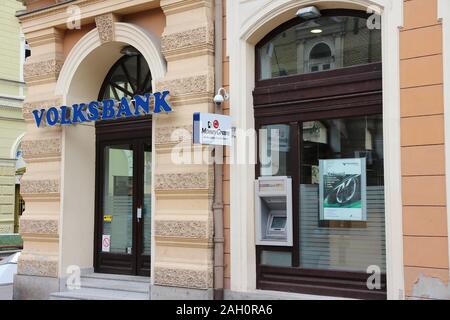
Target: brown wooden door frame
pixel 135 133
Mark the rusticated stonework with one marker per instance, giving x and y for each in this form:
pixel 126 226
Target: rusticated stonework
pixel 37 265
pixel 183 181
pixel 185 278
pixel 41 148
pixel 105 27
pixel 47 69
pixel 192 85
pixel 7 228
pixel 184 229
pixel 165 135
pixel 39 186
pixel 187 40
pixel 28 107
pixel 31 226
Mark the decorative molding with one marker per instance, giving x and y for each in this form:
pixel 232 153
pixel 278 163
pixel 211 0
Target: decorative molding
pixel 42 70
pixel 166 135
pixel 54 10
pixel 37 265
pixel 28 107
pixel 41 226
pixel 184 229
pixel 185 278
pixel 39 186
pixel 201 84
pixel 177 6
pixel 188 41
pixel 183 181
pixel 41 148
pixel 105 27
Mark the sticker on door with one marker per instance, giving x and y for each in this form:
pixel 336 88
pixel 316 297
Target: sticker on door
pixel 106 243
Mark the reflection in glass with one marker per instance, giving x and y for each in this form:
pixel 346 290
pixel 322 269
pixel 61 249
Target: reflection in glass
pixel 118 197
pixel 342 245
pixel 274 148
pixel 320 44
pixel 147 210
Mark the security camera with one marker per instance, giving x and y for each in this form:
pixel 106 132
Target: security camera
pixel 221 96
pixel 219 99
pixel 308 13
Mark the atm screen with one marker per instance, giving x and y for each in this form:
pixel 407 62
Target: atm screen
pixel 278 223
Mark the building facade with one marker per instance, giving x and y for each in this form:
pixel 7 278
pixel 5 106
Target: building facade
pixel 12 125
pixel 315 88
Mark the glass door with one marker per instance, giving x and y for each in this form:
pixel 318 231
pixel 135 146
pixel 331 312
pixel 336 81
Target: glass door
pixel 124 207
pixel 144 209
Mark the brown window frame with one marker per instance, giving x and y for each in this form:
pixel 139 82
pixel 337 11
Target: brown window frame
pixel 338 93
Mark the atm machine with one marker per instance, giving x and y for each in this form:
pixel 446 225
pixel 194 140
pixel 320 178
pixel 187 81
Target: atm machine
pixel 273 211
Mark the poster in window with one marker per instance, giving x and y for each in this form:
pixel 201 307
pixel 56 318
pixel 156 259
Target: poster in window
pixel 343 189
pixel 123 186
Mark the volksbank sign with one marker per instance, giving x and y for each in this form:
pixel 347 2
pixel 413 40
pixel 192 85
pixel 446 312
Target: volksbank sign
pixel 108 109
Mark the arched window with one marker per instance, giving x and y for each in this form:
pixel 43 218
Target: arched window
pixel 129 76
pixel 320 58
pixel 336 39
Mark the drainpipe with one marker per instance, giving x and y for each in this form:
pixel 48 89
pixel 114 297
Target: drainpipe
pixel 218 167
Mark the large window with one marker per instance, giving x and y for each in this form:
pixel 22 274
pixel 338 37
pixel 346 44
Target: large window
pixel 334 40
pixel 322 126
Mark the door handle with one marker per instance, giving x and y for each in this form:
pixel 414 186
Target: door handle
pixel 139 214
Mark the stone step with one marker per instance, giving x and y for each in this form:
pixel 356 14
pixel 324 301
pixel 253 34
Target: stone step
pixel 98 294
pixel 117 277
pixel 112 284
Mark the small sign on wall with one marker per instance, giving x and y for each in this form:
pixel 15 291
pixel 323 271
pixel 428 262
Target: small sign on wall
pixel 212 129
pixel 343 189
pixel 106 243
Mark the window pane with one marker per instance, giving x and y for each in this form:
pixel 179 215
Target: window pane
pixel 276 258
pixel 341 242
pixel 118 198
pixel 274 149
pixel 318 45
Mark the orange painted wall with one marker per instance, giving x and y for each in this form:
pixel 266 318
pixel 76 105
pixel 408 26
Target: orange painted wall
pixel 422 140
pixel 153 20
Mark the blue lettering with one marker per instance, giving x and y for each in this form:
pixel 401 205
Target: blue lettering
pixel 108 109
pixel 160 102
pixel 93 111
pixel 78 114
pixel 38 115
pixel 52 116
pixel 65 115
pixel 124 108
pixel 140 102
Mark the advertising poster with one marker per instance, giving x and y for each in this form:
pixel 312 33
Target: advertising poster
pixel 343 189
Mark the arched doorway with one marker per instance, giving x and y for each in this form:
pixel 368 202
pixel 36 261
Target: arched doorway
pixel 123 171
pixel 81 79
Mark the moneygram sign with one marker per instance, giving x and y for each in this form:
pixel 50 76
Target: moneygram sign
pixel 108 109
pixel 212 129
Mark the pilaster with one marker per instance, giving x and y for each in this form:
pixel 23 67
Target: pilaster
pixel 41 184
pixel 183 224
